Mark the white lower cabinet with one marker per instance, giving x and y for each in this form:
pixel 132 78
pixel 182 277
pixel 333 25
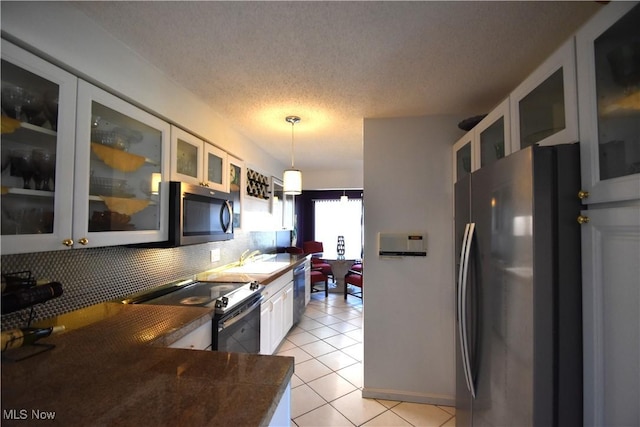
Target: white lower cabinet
pixel 611 312
pixel 282 415
pixel 198 339
pixel 276 313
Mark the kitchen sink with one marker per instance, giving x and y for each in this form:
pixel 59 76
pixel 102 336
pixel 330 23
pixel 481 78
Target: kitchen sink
pixel 258 267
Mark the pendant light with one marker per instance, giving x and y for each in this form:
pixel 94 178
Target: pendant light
pixel 344 198
pixel 292 178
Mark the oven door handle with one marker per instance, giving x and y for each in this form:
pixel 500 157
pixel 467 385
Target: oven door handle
pixel 226 323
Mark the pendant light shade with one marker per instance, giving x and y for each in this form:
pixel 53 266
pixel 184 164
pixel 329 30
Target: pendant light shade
pixel 292 182
pixel 292 178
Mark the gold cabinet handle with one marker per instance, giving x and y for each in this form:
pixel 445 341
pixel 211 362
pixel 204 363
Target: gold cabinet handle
pixel 67 242
pixel 83 241
pixel 583 219
pixel 583 194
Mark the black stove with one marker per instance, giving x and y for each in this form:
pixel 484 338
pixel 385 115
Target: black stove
pixel 224 297
pixel 236 305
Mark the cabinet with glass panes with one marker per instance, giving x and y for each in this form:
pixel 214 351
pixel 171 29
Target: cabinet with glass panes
pixel 121 171
pixel 608 58
pixel 80 167
pixel 37 147
pixel 198 162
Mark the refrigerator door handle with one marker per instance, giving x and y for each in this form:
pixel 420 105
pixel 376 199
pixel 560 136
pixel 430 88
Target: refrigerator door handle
pixel 462 304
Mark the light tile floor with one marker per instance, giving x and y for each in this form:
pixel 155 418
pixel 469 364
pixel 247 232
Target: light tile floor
pixel 327 383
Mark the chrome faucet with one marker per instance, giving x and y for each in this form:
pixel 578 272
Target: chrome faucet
pixel 244 257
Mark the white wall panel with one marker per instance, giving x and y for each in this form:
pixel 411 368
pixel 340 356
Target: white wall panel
pixel 409 302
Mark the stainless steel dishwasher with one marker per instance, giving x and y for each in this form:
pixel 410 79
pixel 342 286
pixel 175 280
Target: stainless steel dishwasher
pixel 298 292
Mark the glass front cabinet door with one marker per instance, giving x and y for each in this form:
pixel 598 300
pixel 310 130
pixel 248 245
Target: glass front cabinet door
pixel 236 193
pixel 187 157
pixel 544 108
pixel 608 60
pixel 492 136
pixel 122 164
pixel 463 156
pixel 216 168
pixel 37 146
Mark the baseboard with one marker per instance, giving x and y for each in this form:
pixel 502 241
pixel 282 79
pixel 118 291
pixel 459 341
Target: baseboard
pixel 404 396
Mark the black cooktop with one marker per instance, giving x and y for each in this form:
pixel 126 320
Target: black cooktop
pixel 223 296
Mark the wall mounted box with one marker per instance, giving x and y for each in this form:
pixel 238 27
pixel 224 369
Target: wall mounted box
pixel 402 244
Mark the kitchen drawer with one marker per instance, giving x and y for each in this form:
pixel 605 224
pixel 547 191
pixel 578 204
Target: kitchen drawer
pixel 274 287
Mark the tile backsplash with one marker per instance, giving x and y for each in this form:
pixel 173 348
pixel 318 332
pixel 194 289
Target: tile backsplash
pixel 95 275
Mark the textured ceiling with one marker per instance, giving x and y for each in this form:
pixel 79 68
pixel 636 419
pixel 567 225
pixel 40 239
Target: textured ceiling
pixel 335 63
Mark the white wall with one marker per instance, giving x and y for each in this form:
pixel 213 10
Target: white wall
pixel 409 347
pixel 327 179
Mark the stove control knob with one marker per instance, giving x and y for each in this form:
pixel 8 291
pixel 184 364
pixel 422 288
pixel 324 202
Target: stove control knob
pixel 253 286
pixel 225 301
pixel 218 303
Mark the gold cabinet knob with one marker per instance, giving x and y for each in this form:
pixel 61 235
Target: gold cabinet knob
pixel 583 219
pixel 83 241
pixel 67 242
pixel 583 194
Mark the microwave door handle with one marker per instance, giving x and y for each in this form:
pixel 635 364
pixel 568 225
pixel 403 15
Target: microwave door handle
pixel 228 208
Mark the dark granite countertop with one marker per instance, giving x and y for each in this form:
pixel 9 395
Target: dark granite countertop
pixel 116 371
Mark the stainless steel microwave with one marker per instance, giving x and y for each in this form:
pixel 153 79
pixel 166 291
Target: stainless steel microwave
pixel 198 215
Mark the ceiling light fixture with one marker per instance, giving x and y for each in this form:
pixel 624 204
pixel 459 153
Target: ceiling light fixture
pixel 292 178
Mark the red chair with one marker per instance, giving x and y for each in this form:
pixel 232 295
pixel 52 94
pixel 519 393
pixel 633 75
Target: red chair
pixel 317 277
pixel 353 278
pixel 313 247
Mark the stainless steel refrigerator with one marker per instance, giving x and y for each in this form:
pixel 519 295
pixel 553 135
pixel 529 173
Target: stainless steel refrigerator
pixel 518 296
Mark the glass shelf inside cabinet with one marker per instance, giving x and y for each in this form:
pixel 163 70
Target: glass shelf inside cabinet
pixel 28 151
pixel 124 172
pixel 617 65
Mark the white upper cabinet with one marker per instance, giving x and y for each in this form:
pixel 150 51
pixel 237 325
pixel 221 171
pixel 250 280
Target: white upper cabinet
pixel 492 137
pixel 608 62
pixel 544 108
pixel 187 157
pixel 38 137
pixel 216 168
pixel 197 162
pixel 121 171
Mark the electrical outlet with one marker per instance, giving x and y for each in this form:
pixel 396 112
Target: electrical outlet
pixel 215 255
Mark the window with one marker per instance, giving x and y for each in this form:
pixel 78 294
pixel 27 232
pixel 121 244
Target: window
pixel 335 218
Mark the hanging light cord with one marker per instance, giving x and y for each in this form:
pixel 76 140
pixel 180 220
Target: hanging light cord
pixel 292 123
pixel 293 120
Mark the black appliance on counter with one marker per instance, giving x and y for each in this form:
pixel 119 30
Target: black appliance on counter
pixel 236 322
pixel 519 295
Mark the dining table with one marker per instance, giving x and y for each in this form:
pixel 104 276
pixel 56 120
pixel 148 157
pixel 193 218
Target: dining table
pixel 340 265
